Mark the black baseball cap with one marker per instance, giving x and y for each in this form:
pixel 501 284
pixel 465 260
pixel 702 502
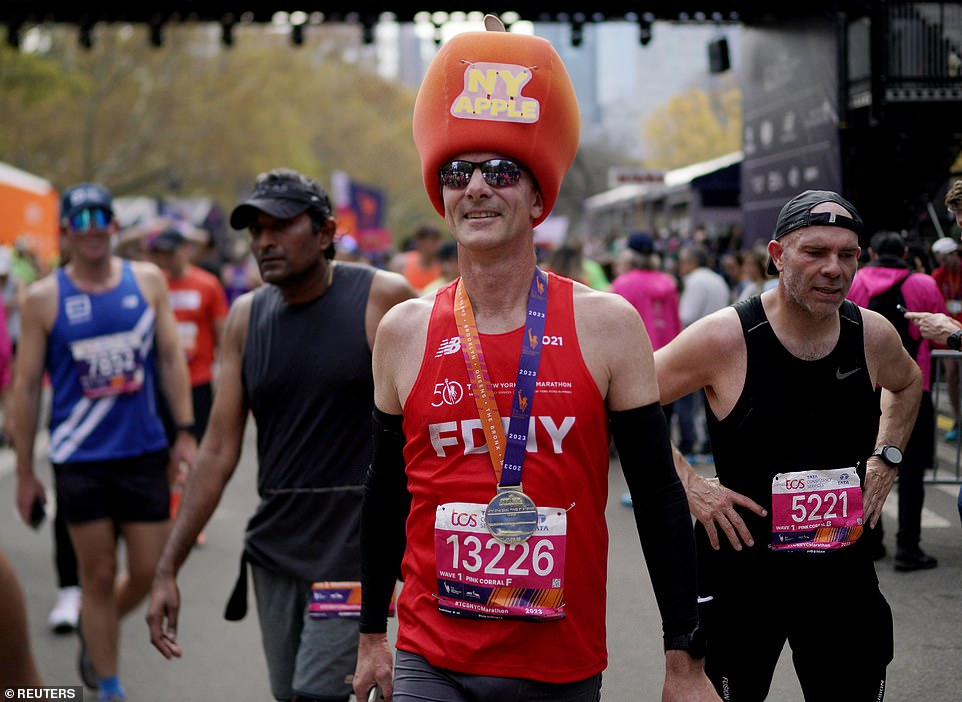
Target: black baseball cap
pixel 281 193
pixel 166 240
pixel 642 242
pixel 797 213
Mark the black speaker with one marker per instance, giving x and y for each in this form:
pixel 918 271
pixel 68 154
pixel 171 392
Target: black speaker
pixel 718 59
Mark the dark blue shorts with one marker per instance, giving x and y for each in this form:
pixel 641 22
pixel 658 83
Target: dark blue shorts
pixel 131 489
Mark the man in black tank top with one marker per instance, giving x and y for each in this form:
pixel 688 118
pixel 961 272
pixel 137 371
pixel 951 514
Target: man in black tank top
pixel 805 455
pixel 296 353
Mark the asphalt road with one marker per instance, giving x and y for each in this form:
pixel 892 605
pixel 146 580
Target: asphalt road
pixel 223 660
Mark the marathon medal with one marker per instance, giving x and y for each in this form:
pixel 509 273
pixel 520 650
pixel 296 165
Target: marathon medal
pixel 511 516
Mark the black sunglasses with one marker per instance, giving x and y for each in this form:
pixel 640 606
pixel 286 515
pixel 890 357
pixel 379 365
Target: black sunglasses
pixel 497 172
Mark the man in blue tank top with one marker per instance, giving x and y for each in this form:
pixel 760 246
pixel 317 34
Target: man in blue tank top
pixel 296 353
pixel 103 330
pixel 805 455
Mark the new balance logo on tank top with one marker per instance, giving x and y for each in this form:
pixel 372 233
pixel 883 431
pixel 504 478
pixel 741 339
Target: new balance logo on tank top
pixel 101 360
pixel 566 467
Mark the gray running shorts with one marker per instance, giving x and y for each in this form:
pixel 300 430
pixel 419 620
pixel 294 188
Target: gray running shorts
pixel 416 680
pixel 305 656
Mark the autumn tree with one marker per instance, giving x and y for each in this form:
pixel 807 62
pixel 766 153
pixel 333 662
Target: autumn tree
pixel 695 125
pixel 195 118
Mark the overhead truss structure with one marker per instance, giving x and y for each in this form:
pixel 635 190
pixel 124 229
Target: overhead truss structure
pixel 18 15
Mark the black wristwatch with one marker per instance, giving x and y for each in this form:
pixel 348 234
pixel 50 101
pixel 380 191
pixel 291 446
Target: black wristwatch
pixel 954 341
pixel 187 427
pixel 890 454
pixel 693 642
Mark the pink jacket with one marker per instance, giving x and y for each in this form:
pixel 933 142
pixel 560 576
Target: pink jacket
pixel 921 294
pixel 655 295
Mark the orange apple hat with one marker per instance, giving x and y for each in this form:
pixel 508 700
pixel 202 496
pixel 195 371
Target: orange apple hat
pixel 498 92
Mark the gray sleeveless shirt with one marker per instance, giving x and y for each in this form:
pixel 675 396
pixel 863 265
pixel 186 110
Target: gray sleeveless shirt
pixel 307 379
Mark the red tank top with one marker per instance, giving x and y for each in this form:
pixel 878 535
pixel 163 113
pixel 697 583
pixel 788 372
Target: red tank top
pixel 566 464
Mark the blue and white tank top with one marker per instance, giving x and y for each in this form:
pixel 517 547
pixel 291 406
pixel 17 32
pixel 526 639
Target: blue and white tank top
pixel 101 360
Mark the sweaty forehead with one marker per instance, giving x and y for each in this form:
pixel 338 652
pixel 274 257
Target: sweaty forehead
pixel 826 237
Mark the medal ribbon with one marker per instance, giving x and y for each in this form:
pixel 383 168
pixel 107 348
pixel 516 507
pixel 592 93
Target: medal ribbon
pixel 507 454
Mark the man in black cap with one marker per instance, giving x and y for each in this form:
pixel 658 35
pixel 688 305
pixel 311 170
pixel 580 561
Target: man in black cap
pixel 804 460
pixel 297 354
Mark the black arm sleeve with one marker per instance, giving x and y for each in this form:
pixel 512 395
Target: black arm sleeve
pixel 661 513
pixel 383 514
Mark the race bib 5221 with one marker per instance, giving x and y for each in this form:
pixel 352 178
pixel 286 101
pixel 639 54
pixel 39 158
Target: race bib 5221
pixel 817 510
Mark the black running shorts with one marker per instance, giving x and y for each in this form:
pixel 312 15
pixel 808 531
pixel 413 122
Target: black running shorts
pixel 131 489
